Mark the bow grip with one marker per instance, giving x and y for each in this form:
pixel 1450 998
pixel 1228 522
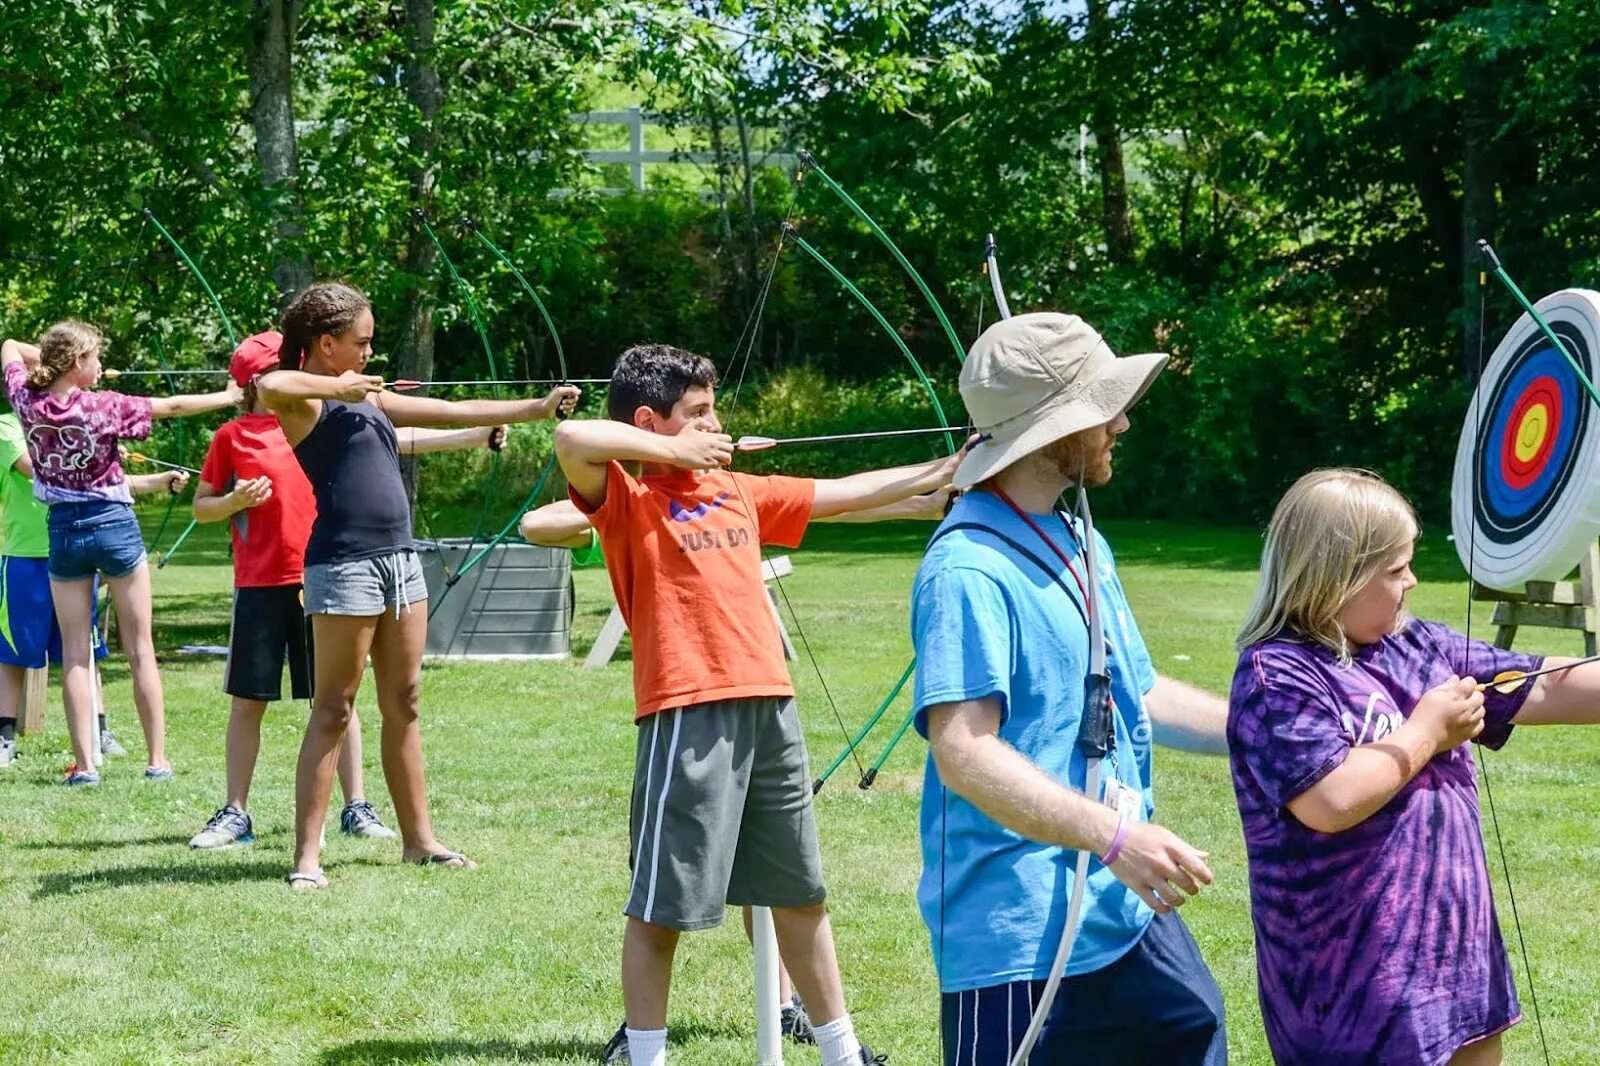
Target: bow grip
pixel 562 416
pixel 1095 732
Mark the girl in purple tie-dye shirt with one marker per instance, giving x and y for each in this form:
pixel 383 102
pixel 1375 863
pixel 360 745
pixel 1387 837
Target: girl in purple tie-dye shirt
pixel 72 433
pixel 1376 936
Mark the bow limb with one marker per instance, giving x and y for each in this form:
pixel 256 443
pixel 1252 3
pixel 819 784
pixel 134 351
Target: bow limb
pixel 493 478
pixel 544 312
pixel 233 341
pixel 883 322
pixel 811 163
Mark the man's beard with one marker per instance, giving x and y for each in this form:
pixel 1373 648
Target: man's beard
pixel 1078 458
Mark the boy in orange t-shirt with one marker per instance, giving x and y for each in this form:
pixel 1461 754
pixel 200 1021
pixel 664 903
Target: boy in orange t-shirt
pixel 722 809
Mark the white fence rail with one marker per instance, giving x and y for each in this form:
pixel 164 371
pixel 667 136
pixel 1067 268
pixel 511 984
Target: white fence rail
pixel 635 157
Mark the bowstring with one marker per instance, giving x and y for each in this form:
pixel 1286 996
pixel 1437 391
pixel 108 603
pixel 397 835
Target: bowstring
pixel 1483 752
pixel 749 335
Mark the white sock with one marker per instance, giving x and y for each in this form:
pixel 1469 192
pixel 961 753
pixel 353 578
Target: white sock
pixel 837 1042
pixel 647 1047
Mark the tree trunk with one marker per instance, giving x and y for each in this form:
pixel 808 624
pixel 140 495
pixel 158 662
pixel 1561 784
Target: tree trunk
pixel 269 56
pixel 1478 180
pixel 425 91
pixel 1116 223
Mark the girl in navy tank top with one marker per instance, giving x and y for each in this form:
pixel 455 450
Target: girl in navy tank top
pixel 363 583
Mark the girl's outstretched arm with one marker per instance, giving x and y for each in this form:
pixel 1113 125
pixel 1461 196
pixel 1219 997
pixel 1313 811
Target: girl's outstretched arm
pixel 296 396
pixel 425 411
pixel 414 441
pixel 1566 697
pixel 194 403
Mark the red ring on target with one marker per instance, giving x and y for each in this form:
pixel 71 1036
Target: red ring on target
pixel 1520 473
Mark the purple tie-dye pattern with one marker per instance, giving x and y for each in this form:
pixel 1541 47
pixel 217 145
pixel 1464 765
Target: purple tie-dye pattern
pixel 72 439
pixel 1378 944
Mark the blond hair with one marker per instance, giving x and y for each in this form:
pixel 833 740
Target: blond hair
pixel 62 345
pixel 1332 532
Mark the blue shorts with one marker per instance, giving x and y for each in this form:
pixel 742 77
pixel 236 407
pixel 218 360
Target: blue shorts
pixel 29 633
pixel 1158 1004
pixel 90 538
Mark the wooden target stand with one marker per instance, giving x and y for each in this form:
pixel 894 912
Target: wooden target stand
pixel 1550 605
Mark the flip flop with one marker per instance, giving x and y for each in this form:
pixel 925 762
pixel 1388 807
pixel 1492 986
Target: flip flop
pixel 452 859
pixel 311 882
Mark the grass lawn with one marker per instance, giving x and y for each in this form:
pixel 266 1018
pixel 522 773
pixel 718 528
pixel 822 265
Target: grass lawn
pixel 119 944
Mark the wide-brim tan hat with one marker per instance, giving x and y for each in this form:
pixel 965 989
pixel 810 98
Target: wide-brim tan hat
pixel 1033 379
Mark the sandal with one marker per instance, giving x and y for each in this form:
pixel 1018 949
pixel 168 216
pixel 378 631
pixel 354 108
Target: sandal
pixel 308 882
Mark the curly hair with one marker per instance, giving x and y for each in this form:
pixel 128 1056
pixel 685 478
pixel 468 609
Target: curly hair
pixel 657 376
pixel 328 307
pixel 62 345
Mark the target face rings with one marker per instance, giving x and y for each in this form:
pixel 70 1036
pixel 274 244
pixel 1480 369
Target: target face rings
pixel 1525 498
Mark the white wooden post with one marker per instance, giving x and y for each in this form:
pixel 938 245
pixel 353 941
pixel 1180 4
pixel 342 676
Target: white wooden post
pixel 636 146
pixel 769 1026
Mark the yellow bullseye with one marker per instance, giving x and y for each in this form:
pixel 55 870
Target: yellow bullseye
pixel 1531 432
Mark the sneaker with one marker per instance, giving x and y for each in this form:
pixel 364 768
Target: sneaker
pixel 869 1059
pixel 616 1050
pixel 75 777
pixel 795 1023
pixel 359 820
pixel 158 773
pixel 8 751
pixel 227 827
pixel 109 745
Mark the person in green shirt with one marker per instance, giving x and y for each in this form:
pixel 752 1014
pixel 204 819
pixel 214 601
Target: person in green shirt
pixel 29 634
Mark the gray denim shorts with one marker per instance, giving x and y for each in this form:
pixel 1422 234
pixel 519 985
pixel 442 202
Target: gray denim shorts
pixel 365 587
pixel 721 813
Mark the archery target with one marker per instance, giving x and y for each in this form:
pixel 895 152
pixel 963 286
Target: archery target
pixel 1525 498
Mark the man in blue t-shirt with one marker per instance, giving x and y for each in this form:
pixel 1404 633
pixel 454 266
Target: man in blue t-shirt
pixel 1001 619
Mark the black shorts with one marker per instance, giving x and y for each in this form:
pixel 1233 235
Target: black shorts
pixel 269 624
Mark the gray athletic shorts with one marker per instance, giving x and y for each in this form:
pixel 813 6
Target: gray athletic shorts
pixel 722 814
pixel 365 587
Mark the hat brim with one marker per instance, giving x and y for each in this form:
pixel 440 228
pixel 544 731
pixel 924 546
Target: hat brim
pixel 1106 398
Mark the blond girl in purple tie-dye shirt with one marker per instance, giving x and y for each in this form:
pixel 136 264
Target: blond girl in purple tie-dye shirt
pixel 72 431
pixel 1348 730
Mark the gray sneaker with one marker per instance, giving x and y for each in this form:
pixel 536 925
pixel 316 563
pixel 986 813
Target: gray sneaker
pixel 8 751
pixel 359 820
pixel 109 745
pixel 227 827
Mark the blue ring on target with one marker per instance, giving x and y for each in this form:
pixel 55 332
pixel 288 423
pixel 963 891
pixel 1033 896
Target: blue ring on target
pixel 1510 504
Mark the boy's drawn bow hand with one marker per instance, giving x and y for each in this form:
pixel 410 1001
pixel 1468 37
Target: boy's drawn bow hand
pixel 177 481
pixel 252 492
pixel 353 387
pixel 1452 712
pixel 697 448
pixel 562 399
pixel 1158 865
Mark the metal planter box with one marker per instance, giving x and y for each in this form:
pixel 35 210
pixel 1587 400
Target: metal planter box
pixel 515 604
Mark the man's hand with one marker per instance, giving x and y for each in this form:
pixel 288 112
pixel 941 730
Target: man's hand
pixel 497 438
pixel 252 492
pixel 353 387
pixel 177 481
pixel 563 399
pixel 697 449
pixel 1452 713
pixel 1158 865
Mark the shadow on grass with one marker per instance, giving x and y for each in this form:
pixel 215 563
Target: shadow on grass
pixel 102 845
pixel 189 873
pixel 434 1049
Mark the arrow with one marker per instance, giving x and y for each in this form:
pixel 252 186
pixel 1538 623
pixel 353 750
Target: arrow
pixel 111 374
pixel 1508 681
pixel 757 444
pixel 136 457
pixel 404 384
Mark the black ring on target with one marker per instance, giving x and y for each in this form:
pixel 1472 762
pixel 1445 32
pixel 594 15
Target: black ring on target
pixel 1520 485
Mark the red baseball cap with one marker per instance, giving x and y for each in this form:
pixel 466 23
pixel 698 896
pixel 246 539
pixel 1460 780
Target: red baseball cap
pixel 255 356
